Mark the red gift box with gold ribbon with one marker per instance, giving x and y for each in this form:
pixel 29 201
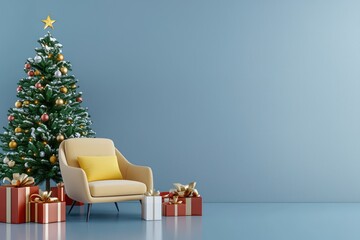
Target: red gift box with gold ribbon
pixel 193 205
pixel 169 209
pixel 173 208
pixel 15 197
pixel 14 203
pixel 46 209
pixel 47 212
pixel 59 192
pixel 189 195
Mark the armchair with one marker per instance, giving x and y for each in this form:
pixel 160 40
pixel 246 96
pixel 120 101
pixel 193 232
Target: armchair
pixel 136 179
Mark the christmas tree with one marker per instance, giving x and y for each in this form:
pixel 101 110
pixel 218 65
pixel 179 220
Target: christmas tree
pixel 47 112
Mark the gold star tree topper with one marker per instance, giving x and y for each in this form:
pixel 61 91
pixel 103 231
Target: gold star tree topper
pixel 48 22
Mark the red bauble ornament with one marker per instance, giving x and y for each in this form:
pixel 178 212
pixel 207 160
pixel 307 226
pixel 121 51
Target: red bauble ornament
pixel 27 66
pixel 45 117
pixel 79 99
pixel 38 85
pixel 19 88
pixel 30 73
pixel 11 117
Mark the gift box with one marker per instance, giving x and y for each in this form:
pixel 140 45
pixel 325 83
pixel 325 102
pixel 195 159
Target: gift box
pixel 189 195
pixel 15 197
pixel 46 209
pixel 193 205
pixel 59 192
pixel 151 208
pixel 170 209
pixel 47 212
pixel 14 203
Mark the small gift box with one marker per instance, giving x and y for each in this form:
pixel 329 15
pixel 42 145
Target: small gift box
pixel 59 191
pixel 193 205
pixel 151 206
pixel 46 209
pixel 173 208
pixel 190 196
pixel 14 199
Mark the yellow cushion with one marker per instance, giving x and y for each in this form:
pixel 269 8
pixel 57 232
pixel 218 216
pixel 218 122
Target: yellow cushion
pixel 100 167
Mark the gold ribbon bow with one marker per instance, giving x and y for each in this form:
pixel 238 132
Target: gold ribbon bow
pixel 174 200
pixel 20 180
pixel 186 190
pixel 60 184
pixel 43 197
pixel 151 192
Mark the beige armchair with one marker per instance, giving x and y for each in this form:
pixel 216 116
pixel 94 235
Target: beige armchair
pixel 137 179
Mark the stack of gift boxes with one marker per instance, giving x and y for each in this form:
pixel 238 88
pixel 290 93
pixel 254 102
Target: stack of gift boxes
pixel 21 202
pixel 184 200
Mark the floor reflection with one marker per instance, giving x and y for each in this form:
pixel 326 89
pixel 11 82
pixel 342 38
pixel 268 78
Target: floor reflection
pixel 33 231
pixel 182 227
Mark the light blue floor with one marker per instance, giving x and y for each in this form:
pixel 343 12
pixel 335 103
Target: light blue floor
pixel 290 221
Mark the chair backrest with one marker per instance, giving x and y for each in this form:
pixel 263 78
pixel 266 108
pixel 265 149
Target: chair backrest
pixel 75 147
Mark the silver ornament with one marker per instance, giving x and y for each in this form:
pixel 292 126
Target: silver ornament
pixel 37 59
pixel 42 154
pixel 26 164
pixel 11 163
pixel 57 74
pixel 6 160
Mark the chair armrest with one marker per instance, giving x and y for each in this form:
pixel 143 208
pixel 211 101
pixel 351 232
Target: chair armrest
pixel 140 174
pixel 76 184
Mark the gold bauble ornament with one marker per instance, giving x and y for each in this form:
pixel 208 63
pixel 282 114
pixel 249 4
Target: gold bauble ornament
pixel 64 70
pixel 28 170
pixel 50 55
pixel 37 72
pixel 22 158
pixel 63 90
pixel 42 77
pixel 59 102
pixel 44 142
pixel 18 130
pixel 30 139
pixel 34 154
pixel 60 57
pixel 18 104
pixel 60 138
pixel 12 144
pixel 73 86
pixel 53 159
pixel 26 102
pixel 26 131
pixel 36 102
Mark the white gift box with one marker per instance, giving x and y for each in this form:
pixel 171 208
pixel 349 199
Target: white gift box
pixel 151 208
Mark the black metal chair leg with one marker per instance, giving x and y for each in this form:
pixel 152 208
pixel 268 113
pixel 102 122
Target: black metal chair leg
pixel 117 207
pixel 72 205
pixel 88 211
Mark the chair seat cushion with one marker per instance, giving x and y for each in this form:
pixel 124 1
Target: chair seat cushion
pixel 108 188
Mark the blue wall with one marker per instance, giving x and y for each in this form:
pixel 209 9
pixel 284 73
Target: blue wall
pixel 256 100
